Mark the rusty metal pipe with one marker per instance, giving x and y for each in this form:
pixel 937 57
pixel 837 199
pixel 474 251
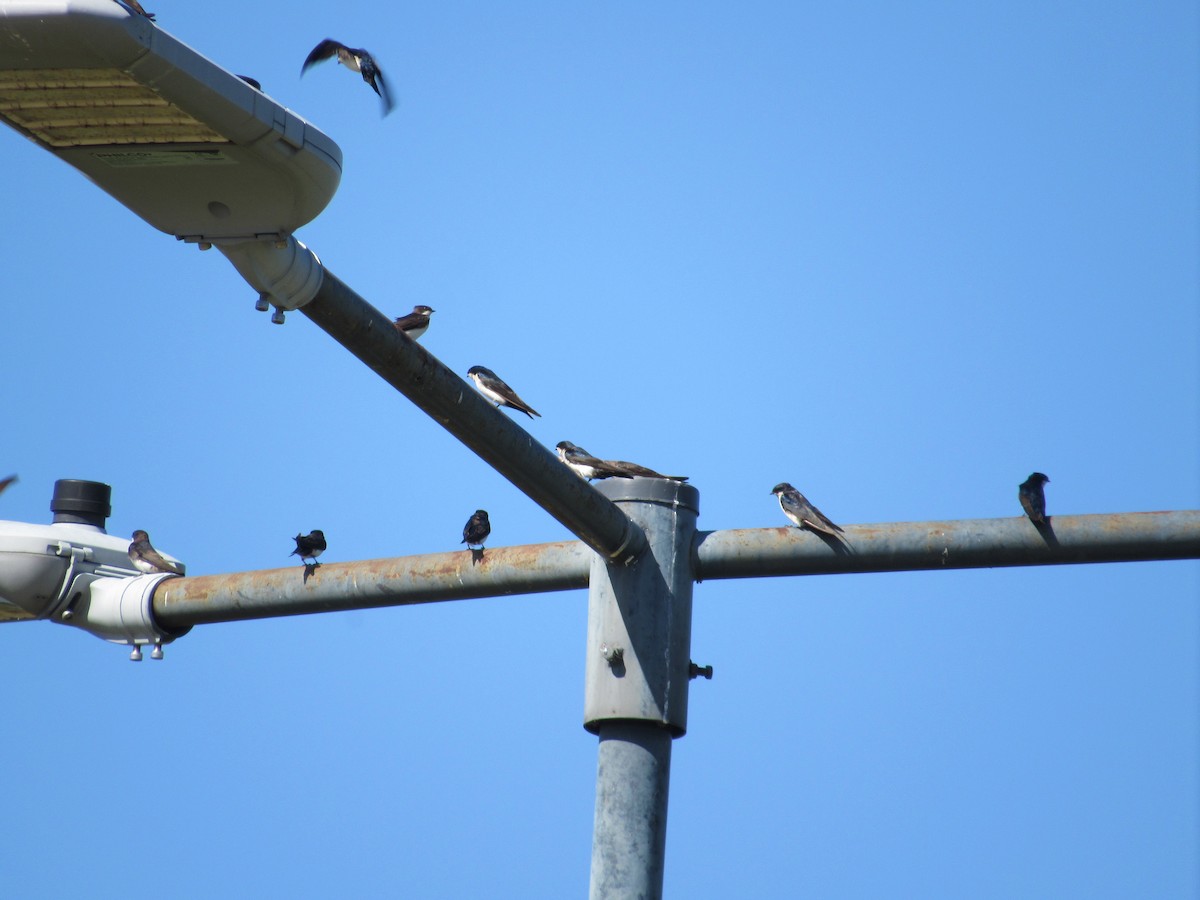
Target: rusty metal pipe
pixel 959 544
pixel 400 581
pixel 736 553
pixel 411 369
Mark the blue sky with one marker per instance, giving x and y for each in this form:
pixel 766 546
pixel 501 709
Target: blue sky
pixel 900 256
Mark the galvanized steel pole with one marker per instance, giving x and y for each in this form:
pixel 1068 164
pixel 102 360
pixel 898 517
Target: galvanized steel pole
pixel 411 369
pixel 636 677
pixel 958 544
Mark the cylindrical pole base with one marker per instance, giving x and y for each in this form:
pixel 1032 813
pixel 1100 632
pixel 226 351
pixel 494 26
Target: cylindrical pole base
pixel 630 833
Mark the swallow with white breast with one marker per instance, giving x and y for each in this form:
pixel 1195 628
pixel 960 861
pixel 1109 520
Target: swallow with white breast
pixel 802 513
pixel 416 323
pixel 356 60
pixel 494 388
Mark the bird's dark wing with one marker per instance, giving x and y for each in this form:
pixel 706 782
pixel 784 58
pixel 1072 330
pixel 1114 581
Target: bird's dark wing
pixel 799 506
pixel 815 517
pixel 412 320
pixel 607 469
pixel 635 469
pixel 793 504
pixel 144 550
pixel 518 403
pixel 501 389
pixel 476 530
pixel 1033 503
pixel 582 457
pixel 824 518
pixel 514 401
pixel 373 76
pixel 321 52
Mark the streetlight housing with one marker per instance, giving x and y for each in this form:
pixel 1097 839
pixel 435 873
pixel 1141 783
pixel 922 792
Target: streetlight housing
pixel 190 147
pixel 73 572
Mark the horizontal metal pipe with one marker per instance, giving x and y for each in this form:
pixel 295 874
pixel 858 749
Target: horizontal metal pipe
pixel 400 581
pixel 959 544
pixel 411 369
pixel 736 553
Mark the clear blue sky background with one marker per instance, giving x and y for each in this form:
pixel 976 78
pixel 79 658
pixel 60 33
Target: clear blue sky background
pixel 901 255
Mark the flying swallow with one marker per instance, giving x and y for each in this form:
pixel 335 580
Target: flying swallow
pixel 1033 497
pixel 477 529
pixel 5 482
pixel 146 559
pixel 356 61
pixel 494 388
pixel 137 8
pixel 802 513
pixel 416 323
pixel 309 546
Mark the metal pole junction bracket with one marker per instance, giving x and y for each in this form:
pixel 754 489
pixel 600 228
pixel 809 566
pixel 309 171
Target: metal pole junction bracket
pixel 119 610
pixel 640 615
pixel 286 274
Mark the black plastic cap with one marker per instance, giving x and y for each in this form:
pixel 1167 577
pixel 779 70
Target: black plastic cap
pixel 78 502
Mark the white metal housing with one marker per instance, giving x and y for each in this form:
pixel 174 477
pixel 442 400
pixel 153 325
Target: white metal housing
pixel 190 147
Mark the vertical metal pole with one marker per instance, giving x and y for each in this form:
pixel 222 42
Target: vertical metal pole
pixel 629 836
pixel 637 672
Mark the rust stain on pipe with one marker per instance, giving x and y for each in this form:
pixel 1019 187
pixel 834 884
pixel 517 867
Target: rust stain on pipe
pixel 395 581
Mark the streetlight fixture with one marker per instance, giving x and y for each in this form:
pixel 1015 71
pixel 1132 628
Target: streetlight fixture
pixel 193 149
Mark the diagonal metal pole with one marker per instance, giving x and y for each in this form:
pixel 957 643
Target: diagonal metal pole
pixel 461 410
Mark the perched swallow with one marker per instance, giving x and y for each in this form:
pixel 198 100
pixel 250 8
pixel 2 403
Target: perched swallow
pixel 5 482
pixel 585 465
pixel 1033 497
pixel 146 559
pixel 309 546
pixel 494 388
pixel 354 60
pixel 802 513
pixel 416 323
pixel 137 8
pixel 253 82
pixel 588 467
pixel 477 529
